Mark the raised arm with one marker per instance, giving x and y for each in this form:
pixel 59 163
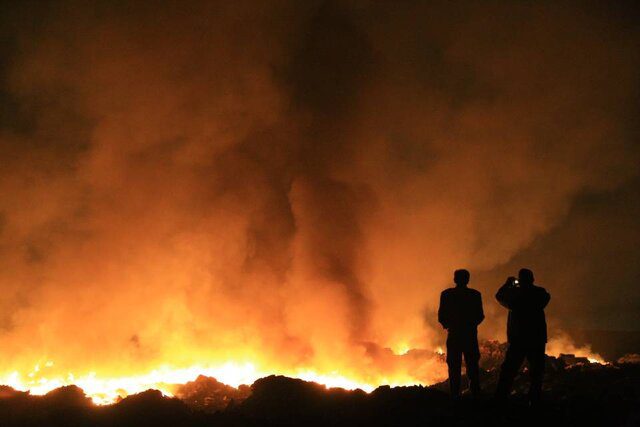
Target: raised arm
pixel 506 295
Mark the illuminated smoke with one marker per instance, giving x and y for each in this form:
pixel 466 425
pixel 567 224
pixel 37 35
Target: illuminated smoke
pixel 283 184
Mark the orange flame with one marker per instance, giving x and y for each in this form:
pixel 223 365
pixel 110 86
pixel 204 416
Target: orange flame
pixel 563 344
pixel 106 389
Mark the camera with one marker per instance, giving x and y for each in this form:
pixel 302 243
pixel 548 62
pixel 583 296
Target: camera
pixel 512 282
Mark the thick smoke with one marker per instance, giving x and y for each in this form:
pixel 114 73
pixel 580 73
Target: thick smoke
pixel 291 182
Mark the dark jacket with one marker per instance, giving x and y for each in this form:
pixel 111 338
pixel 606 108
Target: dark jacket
pixel 526 324
pixel 460 310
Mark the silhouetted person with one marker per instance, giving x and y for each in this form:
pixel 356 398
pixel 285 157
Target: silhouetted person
pixel 460 313
pixel 526 332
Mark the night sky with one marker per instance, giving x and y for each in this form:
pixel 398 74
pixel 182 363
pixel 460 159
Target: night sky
pixel 287 180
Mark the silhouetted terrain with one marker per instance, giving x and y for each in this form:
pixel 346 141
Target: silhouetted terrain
pixel 577 395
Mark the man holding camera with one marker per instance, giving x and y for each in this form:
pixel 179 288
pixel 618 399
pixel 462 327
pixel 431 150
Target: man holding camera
pixel 526 332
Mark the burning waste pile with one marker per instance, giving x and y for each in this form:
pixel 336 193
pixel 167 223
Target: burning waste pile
pixel 210 395
pixel 493 353
pixel 577 390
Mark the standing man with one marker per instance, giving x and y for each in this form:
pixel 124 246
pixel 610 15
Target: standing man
pixel 526 332
pixel 460 313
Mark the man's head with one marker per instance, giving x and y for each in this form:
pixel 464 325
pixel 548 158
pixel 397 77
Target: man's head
pixel 461 277
pixel 525 277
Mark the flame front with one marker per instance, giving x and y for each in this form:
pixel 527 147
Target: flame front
pixel 397 366
pixel 103 389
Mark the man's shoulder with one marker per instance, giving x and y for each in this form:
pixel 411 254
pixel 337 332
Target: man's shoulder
pixel 539 289
pixel 460 291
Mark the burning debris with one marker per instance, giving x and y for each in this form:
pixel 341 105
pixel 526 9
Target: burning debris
pixel 572 359
pixel 210 395
pixel 576 394
pixel 633 358
pixel 493 353
pixel 216 387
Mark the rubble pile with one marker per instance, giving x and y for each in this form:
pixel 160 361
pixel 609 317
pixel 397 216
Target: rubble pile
pixel 492 354
pixel 210 395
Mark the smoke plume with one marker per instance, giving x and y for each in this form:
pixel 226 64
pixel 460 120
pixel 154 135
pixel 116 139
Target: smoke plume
pixel 294 182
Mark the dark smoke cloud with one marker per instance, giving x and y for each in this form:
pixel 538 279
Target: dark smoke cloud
pixel 287 179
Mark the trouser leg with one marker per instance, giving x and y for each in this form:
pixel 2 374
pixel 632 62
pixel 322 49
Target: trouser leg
pixel 471 360
pixel 536 358
pixel 454 363
pixel 509 369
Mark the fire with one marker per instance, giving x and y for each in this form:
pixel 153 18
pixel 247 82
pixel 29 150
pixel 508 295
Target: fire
pixel 411 368
pixel 563 344
pixel 104 390
pixel 335 380
pixel 401 349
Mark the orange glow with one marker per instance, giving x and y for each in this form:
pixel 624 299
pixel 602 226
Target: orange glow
pixel 238 191
pixel 401 349
pixel 562 344
pixel 400 366
pixel 105 389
